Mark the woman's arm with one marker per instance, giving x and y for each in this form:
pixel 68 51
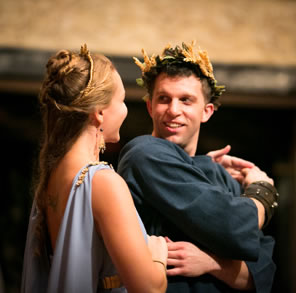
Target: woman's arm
pixel 117 221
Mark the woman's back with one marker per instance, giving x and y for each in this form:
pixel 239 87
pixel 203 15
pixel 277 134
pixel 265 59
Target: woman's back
pixel 80 260
pixel 57 193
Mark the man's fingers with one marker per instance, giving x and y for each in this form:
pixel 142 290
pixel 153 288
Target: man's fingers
pixel 216 155
pixel 233 172
pixel 175 254
pixel 175 245
pixel 168 240
pixel 240 163
pixel 174 271
pixel 226 149
pixel 239 178
pixel 245 171
pixel 173 262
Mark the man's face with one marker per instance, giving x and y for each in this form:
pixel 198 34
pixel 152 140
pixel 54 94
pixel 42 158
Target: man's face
pixel 177 109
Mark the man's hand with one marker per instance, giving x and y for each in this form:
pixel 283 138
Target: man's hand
pixel 187 259
pixel 233 165
pixel 255 174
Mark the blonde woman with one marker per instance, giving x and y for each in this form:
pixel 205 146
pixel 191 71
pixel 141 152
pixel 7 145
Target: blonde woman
pixel 84 233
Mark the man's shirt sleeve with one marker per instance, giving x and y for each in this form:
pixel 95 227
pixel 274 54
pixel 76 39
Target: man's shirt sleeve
pixel 210 215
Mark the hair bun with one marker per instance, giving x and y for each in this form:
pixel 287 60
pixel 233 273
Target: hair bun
pixel 60 65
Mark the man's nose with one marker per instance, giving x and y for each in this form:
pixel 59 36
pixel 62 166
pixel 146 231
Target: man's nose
pixel 174 107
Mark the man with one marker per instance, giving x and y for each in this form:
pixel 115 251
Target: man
pixel 191 198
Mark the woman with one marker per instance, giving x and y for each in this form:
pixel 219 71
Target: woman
pixel 84 233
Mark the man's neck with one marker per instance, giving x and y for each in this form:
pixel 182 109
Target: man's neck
pixel 189 149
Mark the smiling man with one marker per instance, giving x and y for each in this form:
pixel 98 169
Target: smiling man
pixel 177 109
pixel 214 222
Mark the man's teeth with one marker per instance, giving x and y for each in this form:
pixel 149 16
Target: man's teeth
pixel 173 125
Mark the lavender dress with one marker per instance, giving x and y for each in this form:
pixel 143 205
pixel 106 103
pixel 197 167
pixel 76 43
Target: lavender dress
pixel 80 260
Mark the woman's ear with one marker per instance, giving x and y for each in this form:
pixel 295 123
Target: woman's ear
pixel 207 112
pixel 97 117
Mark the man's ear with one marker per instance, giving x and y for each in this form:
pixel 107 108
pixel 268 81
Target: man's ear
pixel 207 112
pixel 149 106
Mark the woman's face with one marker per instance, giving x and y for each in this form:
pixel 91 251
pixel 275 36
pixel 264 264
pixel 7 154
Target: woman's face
pixel 115 113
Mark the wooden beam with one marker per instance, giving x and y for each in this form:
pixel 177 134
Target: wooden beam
pixel 22 71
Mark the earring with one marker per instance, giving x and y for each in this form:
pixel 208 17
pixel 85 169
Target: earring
pixel 102 145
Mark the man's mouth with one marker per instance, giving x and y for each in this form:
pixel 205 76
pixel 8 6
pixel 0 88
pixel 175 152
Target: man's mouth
pixel 173 125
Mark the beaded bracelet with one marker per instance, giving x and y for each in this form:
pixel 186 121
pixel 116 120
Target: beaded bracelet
pixel 266 194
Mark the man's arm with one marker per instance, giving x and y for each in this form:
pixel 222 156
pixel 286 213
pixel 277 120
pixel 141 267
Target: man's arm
pixel 247 173
pixel 169 187
pixel 190 261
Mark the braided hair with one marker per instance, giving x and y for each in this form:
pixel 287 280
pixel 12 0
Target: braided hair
pixel 65 108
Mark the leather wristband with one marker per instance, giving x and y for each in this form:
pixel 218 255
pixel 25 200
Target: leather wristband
pixel 266 194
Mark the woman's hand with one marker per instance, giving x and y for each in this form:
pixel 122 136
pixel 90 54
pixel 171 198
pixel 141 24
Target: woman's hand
pixel 158 248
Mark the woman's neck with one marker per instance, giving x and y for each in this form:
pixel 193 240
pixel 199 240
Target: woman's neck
pixel 86 146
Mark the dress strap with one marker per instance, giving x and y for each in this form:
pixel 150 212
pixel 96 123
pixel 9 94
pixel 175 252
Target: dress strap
pixel 85 170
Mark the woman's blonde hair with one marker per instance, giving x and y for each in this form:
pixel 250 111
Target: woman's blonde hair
pixel 74 85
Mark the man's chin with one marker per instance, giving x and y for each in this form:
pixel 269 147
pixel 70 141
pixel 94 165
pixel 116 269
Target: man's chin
pixel 173 139
pixel 169 137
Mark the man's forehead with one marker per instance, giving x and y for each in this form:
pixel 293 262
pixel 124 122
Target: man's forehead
pixel 178 86
pixel 176 77
pixel 164 79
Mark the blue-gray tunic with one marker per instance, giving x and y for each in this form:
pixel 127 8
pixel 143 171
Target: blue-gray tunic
pixel 194 199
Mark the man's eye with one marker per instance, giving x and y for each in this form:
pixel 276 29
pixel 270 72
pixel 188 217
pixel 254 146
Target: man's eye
pixel 163 98
pixel 185 100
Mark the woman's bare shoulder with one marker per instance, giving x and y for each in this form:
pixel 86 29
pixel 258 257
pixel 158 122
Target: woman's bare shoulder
pixel 107 177
pixel 109 186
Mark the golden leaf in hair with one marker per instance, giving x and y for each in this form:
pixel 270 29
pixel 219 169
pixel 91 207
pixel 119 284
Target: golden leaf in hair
pixel 148 62
pixel 168 46
pixel 84 51
pixel 178 55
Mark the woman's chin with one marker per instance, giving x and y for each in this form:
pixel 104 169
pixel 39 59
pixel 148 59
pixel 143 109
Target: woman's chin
pixel 114 140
